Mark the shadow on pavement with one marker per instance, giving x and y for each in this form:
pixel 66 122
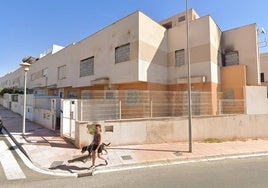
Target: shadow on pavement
pixel 79 159
pixel 68 168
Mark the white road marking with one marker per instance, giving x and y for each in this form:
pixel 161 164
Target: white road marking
pixel 11 167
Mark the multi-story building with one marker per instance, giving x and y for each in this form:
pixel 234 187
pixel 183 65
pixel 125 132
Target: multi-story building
pixel 138 53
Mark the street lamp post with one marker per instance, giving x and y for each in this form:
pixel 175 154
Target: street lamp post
pixel 188 79
pixel 25 66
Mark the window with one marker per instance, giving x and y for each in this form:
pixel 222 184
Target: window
pixel 87 67
pixel 122 53
pixel 181 19
pixel 262 77
pixel 45 71
pixel 86 94
pixel 132 96
pixel 72 95
pixel 32 77
pixel 231 58
pixel 62 72
pixel 110 94
pixel 179 58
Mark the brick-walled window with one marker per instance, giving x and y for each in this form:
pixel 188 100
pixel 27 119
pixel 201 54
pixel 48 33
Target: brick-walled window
pixel 122 53
pixel 87 67
pixel 62 72
pixel 179 57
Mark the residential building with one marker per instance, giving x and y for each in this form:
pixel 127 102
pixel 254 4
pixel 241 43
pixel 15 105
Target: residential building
pixel 137 53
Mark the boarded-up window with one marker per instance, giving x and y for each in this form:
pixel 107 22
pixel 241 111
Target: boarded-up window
pixel 122 53
pixel 231 58
pixel 62 72
pixel 132 96
pixel 87 67
pixel 179 57
pixel 181 19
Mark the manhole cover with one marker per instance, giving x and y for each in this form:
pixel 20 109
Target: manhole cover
pixel 126 157
pixel 178 154
pixel 56 163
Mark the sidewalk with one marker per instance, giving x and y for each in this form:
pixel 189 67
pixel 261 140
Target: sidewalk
pixel 51 153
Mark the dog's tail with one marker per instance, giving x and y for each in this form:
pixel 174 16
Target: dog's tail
pixel 107 144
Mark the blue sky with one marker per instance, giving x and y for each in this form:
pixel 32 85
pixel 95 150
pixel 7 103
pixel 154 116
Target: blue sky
pixel 29 27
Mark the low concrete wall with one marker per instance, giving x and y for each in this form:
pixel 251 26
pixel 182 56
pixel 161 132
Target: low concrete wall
pixel 44 118
pixel 16 107
pixel 82 138
pixel 176 129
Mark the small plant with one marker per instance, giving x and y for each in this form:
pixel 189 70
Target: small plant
pixel 213 140
pixel 91 128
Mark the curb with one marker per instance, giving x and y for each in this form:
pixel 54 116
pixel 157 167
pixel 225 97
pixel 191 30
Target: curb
pixel 162 163
pixel 26 159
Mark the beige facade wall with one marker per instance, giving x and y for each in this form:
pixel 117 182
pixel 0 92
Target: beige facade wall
pixel 101 45
pixel 13 80
pixel 204 46
pixel 174 20
pixel 152 51
pixel 244 40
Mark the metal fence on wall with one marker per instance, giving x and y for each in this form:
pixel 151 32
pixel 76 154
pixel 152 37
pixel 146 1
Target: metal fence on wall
pixel 129 104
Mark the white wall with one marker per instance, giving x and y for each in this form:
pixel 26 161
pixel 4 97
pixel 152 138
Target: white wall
pixel 15 107
pixel 44 118
pixel 176 129
pixel 256 100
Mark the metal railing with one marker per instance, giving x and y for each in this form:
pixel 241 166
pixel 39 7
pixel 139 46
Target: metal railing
pixel 130 104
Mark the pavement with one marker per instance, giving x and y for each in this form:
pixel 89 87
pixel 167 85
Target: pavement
pixel 47 152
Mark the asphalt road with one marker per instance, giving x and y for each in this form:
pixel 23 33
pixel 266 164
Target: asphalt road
pixel 246 172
